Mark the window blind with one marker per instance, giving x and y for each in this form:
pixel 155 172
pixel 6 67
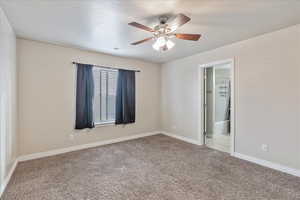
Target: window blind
pixel 105 84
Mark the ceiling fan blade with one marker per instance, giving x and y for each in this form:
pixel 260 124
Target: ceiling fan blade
pixel 180 20
pixel 141 41
pixel 194 37
pixel 141 26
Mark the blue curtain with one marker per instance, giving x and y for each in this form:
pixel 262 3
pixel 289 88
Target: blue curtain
pixel 84 97
pixel 125 100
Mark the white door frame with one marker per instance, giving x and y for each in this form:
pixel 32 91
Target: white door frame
pixel 233 100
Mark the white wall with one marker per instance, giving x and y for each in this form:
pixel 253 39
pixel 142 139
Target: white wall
pixel 267 95
pixel 47 97
pixel 8 98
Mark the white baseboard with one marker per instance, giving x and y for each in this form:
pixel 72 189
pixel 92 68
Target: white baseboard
pixel 7 178
pixel 83 146
pixel 258 161
pixel 68 149
pixel 95 144
pixel 192 141
pixel 265 163
pixel 268 164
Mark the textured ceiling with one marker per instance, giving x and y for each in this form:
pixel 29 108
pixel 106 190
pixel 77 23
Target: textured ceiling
pixel 101 25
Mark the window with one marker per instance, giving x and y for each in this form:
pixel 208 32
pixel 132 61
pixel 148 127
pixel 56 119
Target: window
pixel 105 82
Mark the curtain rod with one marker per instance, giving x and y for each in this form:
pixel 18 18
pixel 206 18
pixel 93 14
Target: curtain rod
pixel 105 67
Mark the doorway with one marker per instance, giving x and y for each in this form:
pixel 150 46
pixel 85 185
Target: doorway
pixel 218 106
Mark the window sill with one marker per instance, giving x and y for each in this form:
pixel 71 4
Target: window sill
pixel 111 123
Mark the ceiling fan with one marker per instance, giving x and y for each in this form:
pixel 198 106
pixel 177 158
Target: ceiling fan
pixel 163 32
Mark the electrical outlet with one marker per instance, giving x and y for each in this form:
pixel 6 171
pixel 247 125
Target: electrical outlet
pixel 264 147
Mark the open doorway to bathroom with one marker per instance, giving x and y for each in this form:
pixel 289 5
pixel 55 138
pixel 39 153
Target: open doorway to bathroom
pixel 218 114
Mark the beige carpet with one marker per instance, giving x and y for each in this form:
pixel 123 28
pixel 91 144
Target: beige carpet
pixel 151 168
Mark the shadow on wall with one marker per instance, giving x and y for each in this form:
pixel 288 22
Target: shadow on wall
pixel 2 137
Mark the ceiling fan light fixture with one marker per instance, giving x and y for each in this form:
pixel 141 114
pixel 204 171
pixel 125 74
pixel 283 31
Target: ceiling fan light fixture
pixel 170 44
pixel 165 30
pixel 163 44
pixel 160 42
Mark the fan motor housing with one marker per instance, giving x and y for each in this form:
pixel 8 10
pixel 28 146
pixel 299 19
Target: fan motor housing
pixel 162 28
